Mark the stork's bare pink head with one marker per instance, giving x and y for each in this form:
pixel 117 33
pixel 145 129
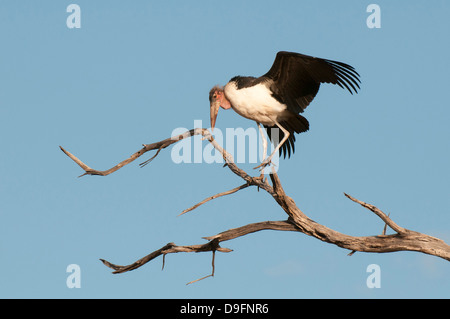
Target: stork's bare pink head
pixel 217 99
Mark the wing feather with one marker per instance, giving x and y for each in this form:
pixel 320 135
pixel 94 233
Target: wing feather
pixel 295 78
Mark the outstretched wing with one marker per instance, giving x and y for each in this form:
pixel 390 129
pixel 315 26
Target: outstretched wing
pixel 295 78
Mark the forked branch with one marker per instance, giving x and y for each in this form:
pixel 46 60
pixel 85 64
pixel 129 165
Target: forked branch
pixel 212 245
pixel 402 240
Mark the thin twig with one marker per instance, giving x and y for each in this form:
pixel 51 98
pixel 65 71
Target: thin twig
pixel 150 159
pixel 380 214
pixel 385 227
pixel 210 275
pixel 164 261
pixel 231 191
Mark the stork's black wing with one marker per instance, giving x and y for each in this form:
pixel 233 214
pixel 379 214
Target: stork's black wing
pixel 295 78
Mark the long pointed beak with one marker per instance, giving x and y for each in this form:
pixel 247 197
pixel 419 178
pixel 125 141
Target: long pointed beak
pixel 214 111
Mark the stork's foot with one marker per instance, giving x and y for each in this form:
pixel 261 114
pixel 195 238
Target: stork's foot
pixel 260 177
pixel 264 164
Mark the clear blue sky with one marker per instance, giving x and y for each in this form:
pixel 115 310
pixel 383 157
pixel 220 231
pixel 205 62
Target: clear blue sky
pixel 136 70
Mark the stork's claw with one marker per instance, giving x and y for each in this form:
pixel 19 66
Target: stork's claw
pixel 261 177
pixel 263 164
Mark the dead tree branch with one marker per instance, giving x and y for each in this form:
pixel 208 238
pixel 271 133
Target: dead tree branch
pixel 212 245
pixel 147 147
pixel 403 239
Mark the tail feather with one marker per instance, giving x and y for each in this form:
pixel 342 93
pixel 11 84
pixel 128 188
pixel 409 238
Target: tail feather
pixel 294 124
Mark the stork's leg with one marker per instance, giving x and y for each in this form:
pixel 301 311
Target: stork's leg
pixel 264 140
pixel 269 159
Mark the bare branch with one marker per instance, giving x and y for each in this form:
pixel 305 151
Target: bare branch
pixel 170 248
pixel 229 161
pixel 233 233
pixel 211 245
pixel 147 147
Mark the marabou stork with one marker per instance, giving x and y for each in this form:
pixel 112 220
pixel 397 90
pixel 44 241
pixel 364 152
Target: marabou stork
pixel 276 98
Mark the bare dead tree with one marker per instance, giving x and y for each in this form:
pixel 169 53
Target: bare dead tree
pixel 402 240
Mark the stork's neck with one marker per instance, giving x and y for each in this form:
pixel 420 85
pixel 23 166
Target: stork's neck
pixel 224 102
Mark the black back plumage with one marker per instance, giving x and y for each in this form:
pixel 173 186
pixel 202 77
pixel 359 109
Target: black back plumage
pixel 294 80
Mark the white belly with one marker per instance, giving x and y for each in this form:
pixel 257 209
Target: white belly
pixel 255 103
